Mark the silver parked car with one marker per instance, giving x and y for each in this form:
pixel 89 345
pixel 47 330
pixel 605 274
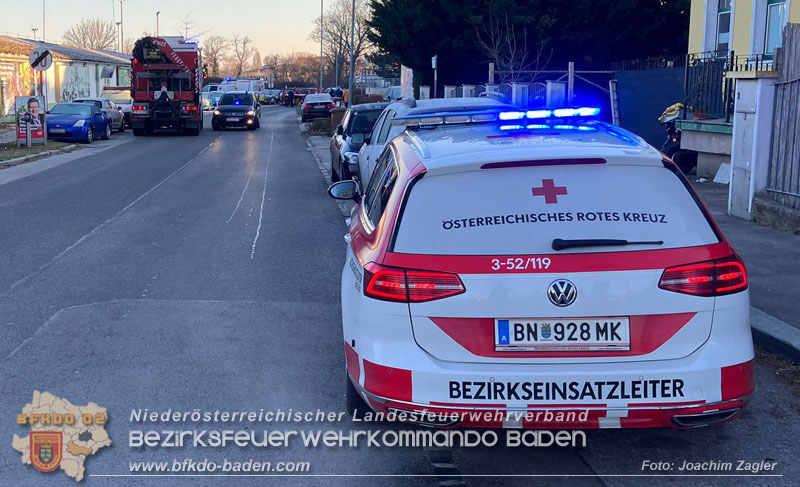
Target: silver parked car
pixel 111 109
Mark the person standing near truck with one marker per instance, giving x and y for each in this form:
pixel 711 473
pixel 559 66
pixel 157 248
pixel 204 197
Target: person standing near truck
pixel 290 98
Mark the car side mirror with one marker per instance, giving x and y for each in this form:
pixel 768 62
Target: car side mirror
pixel 345 190
pixel 339 130
pixel 119 109
pixel 358 138
pixel 367 139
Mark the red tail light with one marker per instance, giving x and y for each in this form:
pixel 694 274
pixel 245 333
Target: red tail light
pixel 331 105
pixel 306 107
pixel 710 278
pixel 409 286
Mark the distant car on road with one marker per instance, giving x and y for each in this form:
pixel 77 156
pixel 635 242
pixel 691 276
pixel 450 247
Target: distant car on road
pixel 236 109
pixel 391 94
pixel 111 109
pixel 77 121
pixel 349 137
pixel 317 105
pixel 384 131
pixel 121 96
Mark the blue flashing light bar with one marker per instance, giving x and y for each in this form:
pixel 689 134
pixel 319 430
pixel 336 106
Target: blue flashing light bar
pixel 478 116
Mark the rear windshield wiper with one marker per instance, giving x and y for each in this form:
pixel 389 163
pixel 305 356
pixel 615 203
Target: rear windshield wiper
pixel 561 244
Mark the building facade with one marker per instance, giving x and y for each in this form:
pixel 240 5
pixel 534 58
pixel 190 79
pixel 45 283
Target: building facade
pixel 745 27
pixel 76 72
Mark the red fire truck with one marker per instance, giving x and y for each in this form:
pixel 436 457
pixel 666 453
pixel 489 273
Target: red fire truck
pixel 166 85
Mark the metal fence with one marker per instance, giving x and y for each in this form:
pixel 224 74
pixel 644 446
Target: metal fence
pixel 709 92
pixel 783 180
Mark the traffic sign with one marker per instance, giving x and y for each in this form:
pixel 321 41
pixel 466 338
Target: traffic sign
pixel 41 59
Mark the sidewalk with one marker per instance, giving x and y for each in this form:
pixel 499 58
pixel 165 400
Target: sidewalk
pixel 772 258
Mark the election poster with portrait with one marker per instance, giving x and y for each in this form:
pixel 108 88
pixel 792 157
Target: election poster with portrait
pixel 30 112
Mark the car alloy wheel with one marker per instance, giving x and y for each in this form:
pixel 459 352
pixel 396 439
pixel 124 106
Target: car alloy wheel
pixel 89 135
pixel 108 131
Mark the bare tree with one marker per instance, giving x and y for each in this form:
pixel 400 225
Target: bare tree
pixel 511 52
pixel 214 49
pixel 242 50
pixel 93 34
pixel 188 27
pixel 336 33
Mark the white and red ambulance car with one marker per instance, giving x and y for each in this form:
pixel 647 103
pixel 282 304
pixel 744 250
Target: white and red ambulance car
pixel 509 262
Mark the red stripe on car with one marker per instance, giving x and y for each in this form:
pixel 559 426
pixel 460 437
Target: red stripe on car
pixel 648 332
pixel 737 381
pixel 388 382
pixel 351 357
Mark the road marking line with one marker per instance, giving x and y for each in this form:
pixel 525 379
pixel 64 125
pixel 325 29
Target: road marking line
pixel 263 195
pixel 241 196
pixel 98 228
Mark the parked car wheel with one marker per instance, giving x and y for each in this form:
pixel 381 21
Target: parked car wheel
pixel 107 134
pixel 121 126
pixel 334 175
pixel 89 135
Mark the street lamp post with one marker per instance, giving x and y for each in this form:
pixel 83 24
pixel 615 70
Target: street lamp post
pixel 321 35
pixel 119 38
pixel 157 30
pixel 121 27
pixel 34 29
pixel 352 52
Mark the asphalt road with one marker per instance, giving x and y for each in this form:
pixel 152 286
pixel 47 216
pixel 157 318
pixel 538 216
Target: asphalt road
pixel 203 272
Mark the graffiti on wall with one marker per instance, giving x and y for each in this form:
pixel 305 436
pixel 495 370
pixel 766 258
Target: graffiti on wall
pixel 75 83
pixel 18 80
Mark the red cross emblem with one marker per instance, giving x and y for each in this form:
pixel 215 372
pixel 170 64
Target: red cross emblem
pixel 550 191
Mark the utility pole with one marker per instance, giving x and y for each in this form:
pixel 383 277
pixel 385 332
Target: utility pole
pixel 157 30
pixel 352 53
pixel 121 27
pixel 321 35
pixel 119 38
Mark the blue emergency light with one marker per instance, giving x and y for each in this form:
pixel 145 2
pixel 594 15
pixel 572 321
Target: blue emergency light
pixel 494 115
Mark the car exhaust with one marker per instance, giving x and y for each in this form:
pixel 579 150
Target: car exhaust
pixel 707 418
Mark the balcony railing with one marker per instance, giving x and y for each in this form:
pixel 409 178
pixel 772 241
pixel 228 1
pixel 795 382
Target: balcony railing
pixel 709 92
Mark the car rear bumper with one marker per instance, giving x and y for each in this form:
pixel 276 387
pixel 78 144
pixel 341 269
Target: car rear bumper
pixel 686 393
pixel 317 113
pixel 71 133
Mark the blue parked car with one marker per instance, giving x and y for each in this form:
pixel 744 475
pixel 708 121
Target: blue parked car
pixel 77 121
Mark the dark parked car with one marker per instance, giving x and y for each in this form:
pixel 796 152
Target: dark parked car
pixel 349 137
pixel 236 109
pixel 317 106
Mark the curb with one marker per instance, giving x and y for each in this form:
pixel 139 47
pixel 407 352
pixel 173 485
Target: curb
pixel 39 154
pixel 775 335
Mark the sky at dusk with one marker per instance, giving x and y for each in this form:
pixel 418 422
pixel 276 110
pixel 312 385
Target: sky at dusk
pixel 276 26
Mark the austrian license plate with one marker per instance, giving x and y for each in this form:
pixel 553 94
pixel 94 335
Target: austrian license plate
pixel 562 335
pixel 319 106
pixel 232 119
pixel 57 131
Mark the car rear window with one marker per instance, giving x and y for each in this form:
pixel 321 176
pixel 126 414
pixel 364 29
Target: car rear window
pixel 362 122
pixel 522 210
pixel 235 99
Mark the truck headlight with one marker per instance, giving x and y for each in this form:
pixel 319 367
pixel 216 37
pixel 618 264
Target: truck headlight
pixel 79 123
pixel 217 112
pixel 251 113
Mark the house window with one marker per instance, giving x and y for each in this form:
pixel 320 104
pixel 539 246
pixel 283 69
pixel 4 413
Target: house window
pixel 723 26
pixel 776 19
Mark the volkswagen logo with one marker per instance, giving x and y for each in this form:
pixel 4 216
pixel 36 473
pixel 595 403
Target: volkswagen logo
pixel 562 292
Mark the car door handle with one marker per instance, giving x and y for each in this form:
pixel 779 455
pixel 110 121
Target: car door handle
pixel 348 238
